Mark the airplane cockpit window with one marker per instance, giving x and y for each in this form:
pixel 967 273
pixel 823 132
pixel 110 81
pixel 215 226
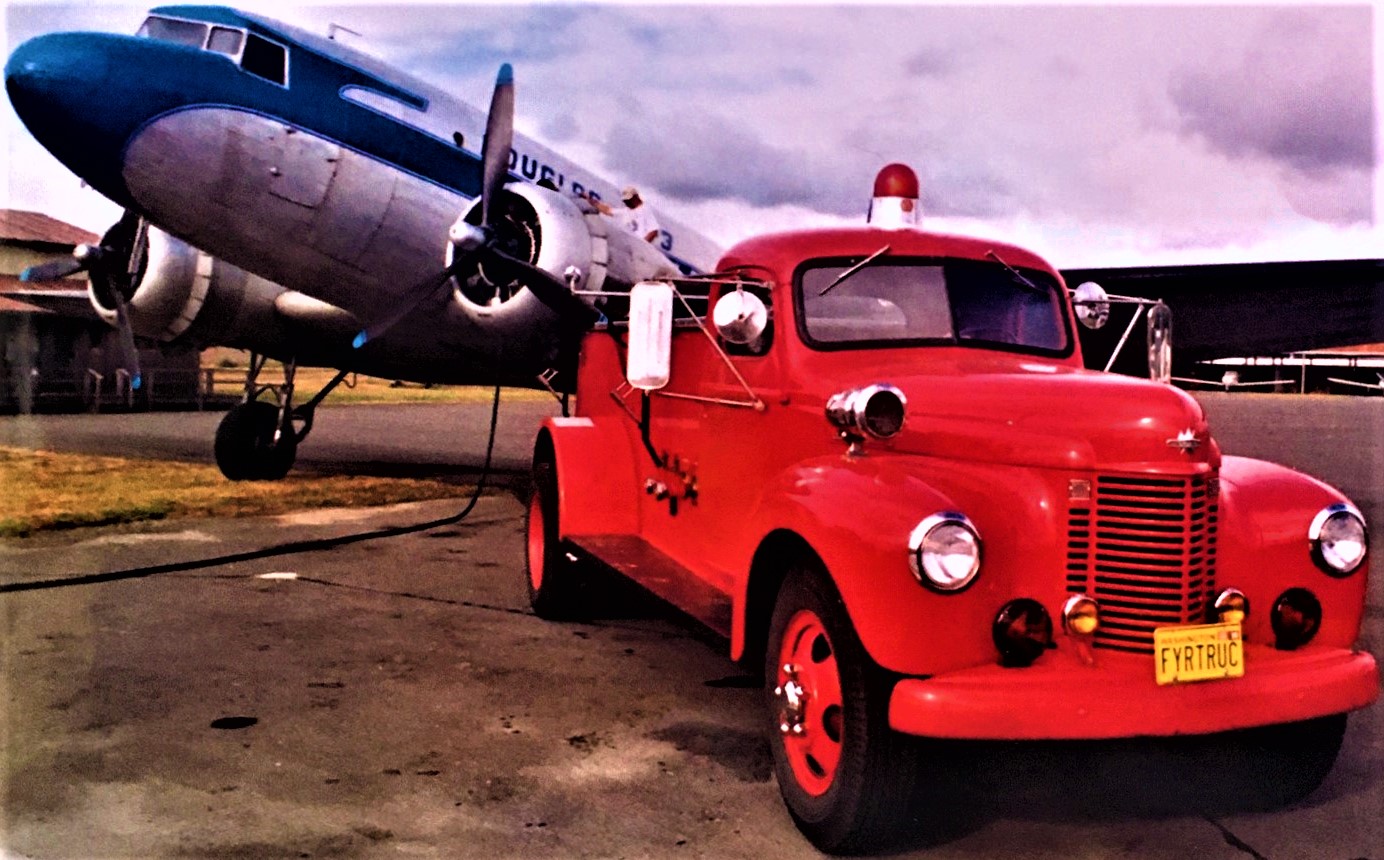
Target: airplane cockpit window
pixel 226 41
pixel 265 59
pixel 190 33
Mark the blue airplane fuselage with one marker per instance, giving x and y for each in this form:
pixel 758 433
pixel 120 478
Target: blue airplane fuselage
pixel 292 157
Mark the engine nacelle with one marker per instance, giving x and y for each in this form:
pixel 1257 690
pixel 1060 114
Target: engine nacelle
pixel 185 295
pixel 563 235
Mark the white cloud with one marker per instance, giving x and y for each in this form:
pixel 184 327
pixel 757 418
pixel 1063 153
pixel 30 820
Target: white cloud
pixel 1133 134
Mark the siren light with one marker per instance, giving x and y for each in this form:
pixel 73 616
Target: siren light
pixel 895 204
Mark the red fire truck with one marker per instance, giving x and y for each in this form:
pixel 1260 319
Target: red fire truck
pixel 872 458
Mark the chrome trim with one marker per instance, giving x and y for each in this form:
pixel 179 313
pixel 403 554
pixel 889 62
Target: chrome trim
pixel 1314 533
pixel 920 533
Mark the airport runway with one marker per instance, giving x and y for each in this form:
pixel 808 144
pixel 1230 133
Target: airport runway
pixel 407 440
pixel 396 698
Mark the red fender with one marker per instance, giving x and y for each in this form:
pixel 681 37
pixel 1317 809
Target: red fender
pixel 857 515
pixel 597 492
pixel 1265 511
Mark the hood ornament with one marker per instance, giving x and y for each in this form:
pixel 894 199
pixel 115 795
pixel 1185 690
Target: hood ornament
pixel 1186 441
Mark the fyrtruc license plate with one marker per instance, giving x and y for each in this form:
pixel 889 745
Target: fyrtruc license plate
pixel 1200 652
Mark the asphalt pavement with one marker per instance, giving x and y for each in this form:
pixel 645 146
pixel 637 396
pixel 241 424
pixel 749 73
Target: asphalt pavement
pixel 395 697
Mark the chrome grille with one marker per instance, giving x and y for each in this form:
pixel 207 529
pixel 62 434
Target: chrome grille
pixel 1145 548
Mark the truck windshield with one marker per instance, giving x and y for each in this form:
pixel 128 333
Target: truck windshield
pixel 897 303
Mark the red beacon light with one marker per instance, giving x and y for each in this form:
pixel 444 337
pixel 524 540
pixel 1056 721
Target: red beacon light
pixel 895 204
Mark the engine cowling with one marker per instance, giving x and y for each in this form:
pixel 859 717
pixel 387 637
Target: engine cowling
pixel 563 235
pixel 184 295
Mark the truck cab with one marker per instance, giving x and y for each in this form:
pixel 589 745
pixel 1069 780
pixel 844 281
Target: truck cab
pixel 872 458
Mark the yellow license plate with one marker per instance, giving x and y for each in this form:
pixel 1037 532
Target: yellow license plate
pixel 1201 652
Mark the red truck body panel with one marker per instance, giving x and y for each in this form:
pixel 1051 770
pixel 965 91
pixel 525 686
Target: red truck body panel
pixel 1012 437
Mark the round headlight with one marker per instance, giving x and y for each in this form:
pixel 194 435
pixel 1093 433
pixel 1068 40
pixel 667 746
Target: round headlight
pixel 1339 540
pixel 944 551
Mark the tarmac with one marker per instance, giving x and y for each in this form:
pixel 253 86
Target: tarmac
pixel 394 696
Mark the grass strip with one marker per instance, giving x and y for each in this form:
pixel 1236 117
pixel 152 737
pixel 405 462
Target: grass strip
pixel 47 491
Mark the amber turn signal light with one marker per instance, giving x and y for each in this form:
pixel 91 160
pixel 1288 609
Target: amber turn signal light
pixel 1080 615
pixel 1231 606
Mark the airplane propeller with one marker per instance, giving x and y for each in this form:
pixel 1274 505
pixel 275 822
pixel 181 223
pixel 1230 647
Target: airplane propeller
pixel 98 261
pixel 476 242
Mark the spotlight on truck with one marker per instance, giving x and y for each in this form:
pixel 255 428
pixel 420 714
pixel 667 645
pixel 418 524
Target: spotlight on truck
pixel 876 410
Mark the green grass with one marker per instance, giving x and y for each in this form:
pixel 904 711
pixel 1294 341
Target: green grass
pixel 42 491
pixel 230 368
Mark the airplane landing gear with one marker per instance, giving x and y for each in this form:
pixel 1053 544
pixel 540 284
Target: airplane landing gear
pixel 250 445
pixel 258 440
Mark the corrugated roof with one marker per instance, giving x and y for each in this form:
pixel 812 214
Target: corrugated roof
pixel 18 225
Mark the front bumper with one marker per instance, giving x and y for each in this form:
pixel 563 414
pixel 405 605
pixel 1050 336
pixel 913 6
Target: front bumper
pixel 1062 698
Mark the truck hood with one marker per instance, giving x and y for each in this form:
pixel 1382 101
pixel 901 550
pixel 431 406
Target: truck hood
pixel 1044 415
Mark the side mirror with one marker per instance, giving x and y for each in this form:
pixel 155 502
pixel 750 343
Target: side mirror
pixel 1092 304
pixel 740 317
pixel 1160 343
pixel 650 335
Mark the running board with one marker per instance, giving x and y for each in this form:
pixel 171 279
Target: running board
pixel 654 570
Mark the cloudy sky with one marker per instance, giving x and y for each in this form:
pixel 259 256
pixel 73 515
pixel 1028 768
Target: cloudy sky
pixel 1097 135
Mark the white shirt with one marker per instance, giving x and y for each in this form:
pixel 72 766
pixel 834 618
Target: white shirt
pixel 640 220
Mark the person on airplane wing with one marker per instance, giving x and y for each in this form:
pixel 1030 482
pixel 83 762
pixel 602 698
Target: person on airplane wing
pixel 635 217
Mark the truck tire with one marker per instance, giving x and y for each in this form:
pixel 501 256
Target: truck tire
pixel 846 777
pixel 557 588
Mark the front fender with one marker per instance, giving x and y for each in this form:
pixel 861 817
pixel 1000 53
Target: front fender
pixel 1263 548
pixel 856 514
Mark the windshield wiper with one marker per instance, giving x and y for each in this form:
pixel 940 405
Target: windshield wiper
pixel 853 269
pixel 1018 275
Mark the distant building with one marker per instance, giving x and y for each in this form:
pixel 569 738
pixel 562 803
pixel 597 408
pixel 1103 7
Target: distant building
pixel 62 356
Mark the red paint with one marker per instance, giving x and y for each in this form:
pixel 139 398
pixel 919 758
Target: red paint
pixel 994 433
pixel 814 751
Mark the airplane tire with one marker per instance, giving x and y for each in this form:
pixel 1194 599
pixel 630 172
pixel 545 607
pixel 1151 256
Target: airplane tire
pixel 556 585
pixel 846 777
pixel 245 449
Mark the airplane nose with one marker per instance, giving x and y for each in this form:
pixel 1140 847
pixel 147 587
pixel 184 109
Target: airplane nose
pixel 46 77
pixel 66 91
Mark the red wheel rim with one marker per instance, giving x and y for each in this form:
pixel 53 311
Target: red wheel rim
pixel 537 542
pixel 812 728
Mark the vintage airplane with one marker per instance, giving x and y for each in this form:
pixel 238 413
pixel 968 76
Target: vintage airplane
pixel 291 196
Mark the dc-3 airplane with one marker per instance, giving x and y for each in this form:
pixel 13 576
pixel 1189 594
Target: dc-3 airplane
pixel 288 195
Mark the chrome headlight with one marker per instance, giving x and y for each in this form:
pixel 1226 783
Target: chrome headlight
pixel 1339 539
pixel 944 551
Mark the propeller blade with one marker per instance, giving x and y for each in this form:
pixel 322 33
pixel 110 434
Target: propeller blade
pixel 499 138
pixel 127 340
pixel 547 289
pixel 52 271
pixel 415 296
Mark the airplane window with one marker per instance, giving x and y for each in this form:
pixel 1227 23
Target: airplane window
pixel 188 33
pixel 225 41
pixel 265 59
pixel 389 105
